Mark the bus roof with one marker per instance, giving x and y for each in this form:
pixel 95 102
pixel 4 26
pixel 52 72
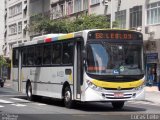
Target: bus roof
pixel 55 37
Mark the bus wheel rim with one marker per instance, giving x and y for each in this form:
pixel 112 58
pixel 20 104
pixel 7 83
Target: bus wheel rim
pixel 67 96
pixel 29 91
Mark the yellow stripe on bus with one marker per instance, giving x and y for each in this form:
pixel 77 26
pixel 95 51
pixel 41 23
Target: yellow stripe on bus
pixel 67 36
pixel 118 85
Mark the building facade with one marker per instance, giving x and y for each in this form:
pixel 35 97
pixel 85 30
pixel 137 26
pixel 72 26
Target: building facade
pixel 2 13
pixel 16 21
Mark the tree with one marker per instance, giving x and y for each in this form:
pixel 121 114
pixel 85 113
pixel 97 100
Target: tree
pixel 2 61
pixel 42 24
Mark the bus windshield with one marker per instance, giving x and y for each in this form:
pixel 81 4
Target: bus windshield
pixel 114 59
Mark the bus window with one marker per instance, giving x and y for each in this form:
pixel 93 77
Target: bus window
pixel 38 55
pixel 56 54
pixel 30 56
pixel 47 54
pixel 15 58
pixel 67 53
pixel 24 56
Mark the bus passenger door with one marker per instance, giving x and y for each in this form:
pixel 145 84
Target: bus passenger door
pixel 78 69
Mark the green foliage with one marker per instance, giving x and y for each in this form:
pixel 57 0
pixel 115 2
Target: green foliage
pixel 115 24
pixel 42 24
pixel 3 61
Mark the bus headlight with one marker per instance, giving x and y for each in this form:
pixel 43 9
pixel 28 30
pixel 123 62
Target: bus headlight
pixel 139 88
pixel 93 86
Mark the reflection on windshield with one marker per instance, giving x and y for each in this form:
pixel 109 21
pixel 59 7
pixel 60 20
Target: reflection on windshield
pixel 113 59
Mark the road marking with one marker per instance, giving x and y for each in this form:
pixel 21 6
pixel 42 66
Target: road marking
pixel 19 105
pixel 5 101
pixel 1 106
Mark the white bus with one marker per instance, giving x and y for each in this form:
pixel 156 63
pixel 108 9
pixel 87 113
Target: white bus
pixel 90 65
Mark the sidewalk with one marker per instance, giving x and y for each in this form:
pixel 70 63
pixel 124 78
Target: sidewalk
pixel 8 83
pixel 152 94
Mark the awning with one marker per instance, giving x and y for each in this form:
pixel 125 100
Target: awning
pixel 4 47
pixel 25 7
pixel 25 26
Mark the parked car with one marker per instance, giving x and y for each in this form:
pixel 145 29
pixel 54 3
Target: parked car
pixel 2 82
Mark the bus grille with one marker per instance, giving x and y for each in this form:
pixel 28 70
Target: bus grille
pixel 116 88
pixel 125 96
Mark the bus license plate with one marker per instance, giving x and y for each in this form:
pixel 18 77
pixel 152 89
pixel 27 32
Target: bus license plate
pixel 118 95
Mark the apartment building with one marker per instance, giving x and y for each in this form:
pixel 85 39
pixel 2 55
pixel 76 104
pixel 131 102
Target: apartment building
pixel 16 21
pixel 38 7
pixel 2 12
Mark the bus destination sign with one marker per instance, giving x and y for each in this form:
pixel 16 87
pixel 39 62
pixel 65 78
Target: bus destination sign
pixel 115 35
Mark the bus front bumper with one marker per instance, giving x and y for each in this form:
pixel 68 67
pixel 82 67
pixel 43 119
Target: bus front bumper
pixel 113 95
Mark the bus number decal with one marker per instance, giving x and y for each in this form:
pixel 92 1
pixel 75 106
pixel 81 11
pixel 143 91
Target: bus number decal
pixel 60 73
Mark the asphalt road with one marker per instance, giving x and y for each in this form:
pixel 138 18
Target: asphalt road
pixel 14 106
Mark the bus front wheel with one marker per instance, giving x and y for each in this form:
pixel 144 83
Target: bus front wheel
pixel 29 91
pixel 118 104
pixel 68 102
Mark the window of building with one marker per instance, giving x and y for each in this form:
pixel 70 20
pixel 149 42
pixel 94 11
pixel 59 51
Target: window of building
pixel 69 7
pixel 120 17
pixel 153 13
pixel 15 10
pixel 67 57
pixel 47 54
pixel 15 58
pixel 54 11
pixel 13 29
pixel 56 54
pixel 136 17
pixel 85 4
pixel 77 6
pixel 20 27
pixel 62 9
pixel 93 2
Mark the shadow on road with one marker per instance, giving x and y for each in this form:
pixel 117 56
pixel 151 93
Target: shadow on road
pixel 89 106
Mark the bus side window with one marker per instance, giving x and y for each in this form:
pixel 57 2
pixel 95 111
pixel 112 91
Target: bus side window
pixel 67 53
pixel 56 54
pixel 38 55
pixel 15 57
pixel 47 54
pixel 24 56
pixel 30 56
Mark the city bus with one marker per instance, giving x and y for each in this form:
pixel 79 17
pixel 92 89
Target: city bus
pixel 93 65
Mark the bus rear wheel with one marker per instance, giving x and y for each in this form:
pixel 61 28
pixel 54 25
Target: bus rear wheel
pixel 118 104
pixel 68 102
pixel 29 92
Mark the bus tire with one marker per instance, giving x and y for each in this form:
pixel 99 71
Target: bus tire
pixel 68 102
pixel 29 91
pixel 118 104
